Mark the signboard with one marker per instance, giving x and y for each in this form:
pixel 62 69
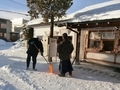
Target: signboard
pixel 102 35
pixel 53 47
pixel 108 35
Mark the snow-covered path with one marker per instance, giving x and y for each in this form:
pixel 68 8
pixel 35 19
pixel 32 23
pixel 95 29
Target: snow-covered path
pixel 13 75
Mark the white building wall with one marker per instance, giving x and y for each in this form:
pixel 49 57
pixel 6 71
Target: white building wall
pixel 118 59
pixel 17 21
pixel 40 30
pixel 101 56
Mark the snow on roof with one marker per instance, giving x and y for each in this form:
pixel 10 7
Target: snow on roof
pixel 106 10
pixel 35 21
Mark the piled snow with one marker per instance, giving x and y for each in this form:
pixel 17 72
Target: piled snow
pixel 13 75
pixel 18 45
pixel 2 42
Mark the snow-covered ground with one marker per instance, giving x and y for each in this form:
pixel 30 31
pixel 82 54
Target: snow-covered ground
pixel 14 76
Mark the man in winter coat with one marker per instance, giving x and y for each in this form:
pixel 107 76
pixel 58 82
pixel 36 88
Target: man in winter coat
pixel 64 50
pixel 35 46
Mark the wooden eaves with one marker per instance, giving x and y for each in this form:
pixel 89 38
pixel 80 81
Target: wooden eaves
pixel 95 23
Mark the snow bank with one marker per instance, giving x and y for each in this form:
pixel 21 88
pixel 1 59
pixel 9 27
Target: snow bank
pixel 18 45
pixel 2 42
pixel 86 76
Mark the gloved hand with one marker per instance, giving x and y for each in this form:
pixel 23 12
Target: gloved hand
pixel 32 42
pixel 41 54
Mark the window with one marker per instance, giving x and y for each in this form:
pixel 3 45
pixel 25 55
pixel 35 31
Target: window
pixel 108 45
pixel 0 34
pixel 4 35
pixel 3 25
pixel 101 41
pixel 94 44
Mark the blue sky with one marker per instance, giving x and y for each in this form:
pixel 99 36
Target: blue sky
pixel 20 5
pixel 13 5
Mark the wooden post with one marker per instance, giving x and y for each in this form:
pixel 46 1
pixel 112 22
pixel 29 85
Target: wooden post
pixel 51 35
pixel 117 33
pixel 77 61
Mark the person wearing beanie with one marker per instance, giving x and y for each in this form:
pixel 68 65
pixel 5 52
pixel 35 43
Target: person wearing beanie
pixel 34 47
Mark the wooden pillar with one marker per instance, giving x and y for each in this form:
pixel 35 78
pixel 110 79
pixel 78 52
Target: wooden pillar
pixel 78 47
pixel 116 42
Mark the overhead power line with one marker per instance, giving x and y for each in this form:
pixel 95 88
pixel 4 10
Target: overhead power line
pixel 12 4
pixel 14 12
pixel 18 2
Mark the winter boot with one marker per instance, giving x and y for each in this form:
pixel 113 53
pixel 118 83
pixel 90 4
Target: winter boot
pixel 70 73
pixel 34 69
pixel 61 75
pixel 27 68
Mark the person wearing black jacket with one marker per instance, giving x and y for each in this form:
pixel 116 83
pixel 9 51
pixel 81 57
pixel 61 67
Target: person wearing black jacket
pixel 64 49
pixel 35 46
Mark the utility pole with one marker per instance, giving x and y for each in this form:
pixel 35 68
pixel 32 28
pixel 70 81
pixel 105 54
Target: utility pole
pixel 51 35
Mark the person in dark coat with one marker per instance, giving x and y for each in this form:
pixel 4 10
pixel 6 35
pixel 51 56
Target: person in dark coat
pixel 35 46
pixel 64 49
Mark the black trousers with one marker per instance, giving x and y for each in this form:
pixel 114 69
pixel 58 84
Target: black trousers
pixel 65 66
pixel 33 59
